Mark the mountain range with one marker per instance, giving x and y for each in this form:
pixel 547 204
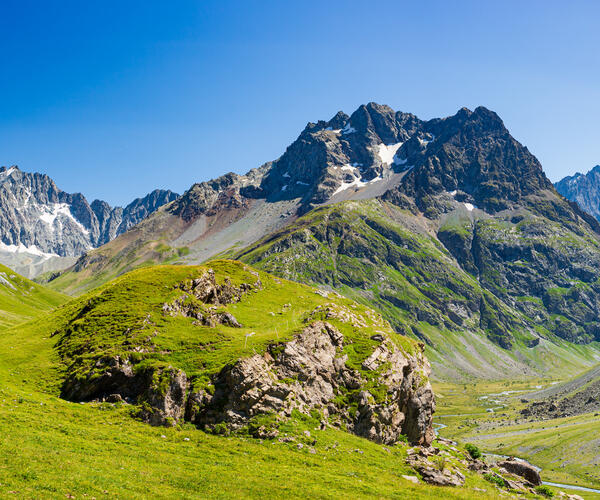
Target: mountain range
pixel 449 227
pixel 327 303
pixel 44 228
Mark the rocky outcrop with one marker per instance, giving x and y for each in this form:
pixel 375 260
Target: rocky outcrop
pixel 310 373
pixel 389 397
pixel 203 291
pixel 160 390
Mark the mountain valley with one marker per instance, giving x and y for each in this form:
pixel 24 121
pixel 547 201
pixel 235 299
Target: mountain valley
pixel 393 308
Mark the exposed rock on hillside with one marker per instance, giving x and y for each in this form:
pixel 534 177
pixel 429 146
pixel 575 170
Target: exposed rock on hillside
pixel 344 363
pixel 309 373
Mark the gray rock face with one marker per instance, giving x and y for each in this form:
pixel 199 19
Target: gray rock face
pixel 308 373
pixel 584 189
pixel 40 220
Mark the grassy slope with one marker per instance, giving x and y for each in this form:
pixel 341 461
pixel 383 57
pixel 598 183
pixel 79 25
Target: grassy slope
pixel 143 245
pixel 98 449
pixel 22 299
pixel 380 255
pixel 120 317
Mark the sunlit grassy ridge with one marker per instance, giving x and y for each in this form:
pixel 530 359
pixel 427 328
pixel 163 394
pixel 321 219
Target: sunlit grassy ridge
pixel 125 318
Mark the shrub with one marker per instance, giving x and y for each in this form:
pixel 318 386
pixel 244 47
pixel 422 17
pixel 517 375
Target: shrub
pixel 545 491
pixel 494 478
pixel 473 450
pixel 440 462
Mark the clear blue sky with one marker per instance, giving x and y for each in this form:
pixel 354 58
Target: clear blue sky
pixel 116 98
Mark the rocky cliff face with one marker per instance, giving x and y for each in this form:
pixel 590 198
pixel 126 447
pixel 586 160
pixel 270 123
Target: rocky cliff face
pixel 38 220
pixel 584 189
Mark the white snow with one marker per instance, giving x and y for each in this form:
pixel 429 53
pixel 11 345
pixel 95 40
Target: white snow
pixel 356 182
pixel 387 153
pixel 348 167
pixel 20 248
pixel 469 206
pixel 348 129
pixel 345 185
pixel 302 183
pixel 400 161
pixel 8 172
pixel 287 174
pixel 50 215
pixel 336 130
pixel 453 193
pixel 284 187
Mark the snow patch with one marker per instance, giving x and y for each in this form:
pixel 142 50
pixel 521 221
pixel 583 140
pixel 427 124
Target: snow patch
pixel 453 193
pixel 50 215
pixel 8 172
pixel 287 174
pixel 425 142
pixel 387 153
pixel 348 167
pixel 302 183
pixel 356 182
pixel 284 188
pixel 20 248
pixel 348 129
pixel 469 206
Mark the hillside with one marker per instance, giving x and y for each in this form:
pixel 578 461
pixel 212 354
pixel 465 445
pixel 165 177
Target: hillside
pixel 22 299
pixel 130 353
pixel 475 319
pixel 449 227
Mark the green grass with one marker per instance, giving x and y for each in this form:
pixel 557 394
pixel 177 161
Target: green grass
pixel 22 299
pixel 126 317
pixel 52 448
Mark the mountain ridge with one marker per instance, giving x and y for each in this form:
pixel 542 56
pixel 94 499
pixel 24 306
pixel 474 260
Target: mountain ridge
pixel 449 226
pixel 40 223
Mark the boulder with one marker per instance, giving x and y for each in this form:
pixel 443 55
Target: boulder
pixel 522 469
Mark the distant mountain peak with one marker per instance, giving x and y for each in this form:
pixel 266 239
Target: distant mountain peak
pixel 583 189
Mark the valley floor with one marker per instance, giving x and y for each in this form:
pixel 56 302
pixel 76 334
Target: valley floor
pixel 487 414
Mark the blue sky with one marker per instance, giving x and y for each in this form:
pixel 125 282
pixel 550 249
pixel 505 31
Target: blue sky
pixel 116 98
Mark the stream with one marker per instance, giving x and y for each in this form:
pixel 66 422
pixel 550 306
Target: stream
pixel 437 426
